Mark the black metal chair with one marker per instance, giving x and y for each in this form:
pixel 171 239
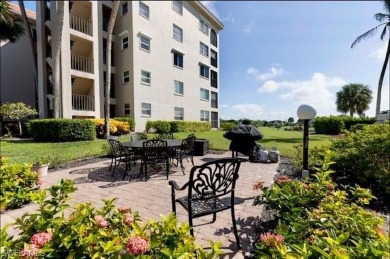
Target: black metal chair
pixel 154 151
pixel 207 186
pixel 138 136
pixel 185 151
pixel 119 154
pixel 165 136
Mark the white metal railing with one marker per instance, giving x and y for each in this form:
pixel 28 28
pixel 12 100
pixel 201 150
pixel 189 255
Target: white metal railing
pixel 80 24
pixel 81 63
pixel 83 102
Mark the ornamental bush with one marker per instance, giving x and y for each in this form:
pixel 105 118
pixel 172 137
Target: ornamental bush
pixel 18 183
pixel 227 126
pixel 177 126
pixel 328 125
pixel 108 232
pixel 314 219
pixel 117 127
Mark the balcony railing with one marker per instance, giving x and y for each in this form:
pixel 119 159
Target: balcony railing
pixel 80 24
pixel 82 63
pixel 83 102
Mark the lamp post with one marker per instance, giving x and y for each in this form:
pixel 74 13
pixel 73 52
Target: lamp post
pixel 306 113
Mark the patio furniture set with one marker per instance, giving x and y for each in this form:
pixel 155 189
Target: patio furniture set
pixel 209 187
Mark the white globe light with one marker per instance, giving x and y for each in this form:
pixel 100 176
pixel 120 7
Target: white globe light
pixel 306 112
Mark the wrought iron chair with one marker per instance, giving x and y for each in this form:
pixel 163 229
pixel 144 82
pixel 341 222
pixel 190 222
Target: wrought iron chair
pixel 165 136
pixel 207 185
pixel 154 151
pixel 138 136
pixel 185 151
pixel 119 154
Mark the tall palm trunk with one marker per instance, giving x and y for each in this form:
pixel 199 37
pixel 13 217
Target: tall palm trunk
pixel 56 45
pixel 33 51
pixel 383 72
pixel 107 89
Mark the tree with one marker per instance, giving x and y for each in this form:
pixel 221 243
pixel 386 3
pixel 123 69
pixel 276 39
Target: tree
pixel 380 17
pixel 10 28
pixel 56 45
pixel 107 89
pixel 353 98
pixel 33 49
pixel 17 111
pixel 290 121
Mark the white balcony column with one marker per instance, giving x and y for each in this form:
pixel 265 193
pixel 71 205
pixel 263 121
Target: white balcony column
pixel 97 45
pixel 41 59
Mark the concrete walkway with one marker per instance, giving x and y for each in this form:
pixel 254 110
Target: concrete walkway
pixel 152 198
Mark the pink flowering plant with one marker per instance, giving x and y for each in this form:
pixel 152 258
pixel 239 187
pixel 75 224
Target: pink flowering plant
pixel 314 218
pixel 87 232
pixel 18 183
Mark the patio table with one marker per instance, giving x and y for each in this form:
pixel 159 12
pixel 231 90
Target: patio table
pixel 138 144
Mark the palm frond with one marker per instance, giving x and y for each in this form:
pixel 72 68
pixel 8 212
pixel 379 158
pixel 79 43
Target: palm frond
pixel 387 5
pixel 383 34
pixel 367 34
pixel 381 17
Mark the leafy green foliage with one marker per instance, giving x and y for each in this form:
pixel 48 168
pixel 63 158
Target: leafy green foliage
pixel 117 128
pixel 17 111
pixel 129 120
pixel 353 98
pixel 328 125
pixel 227 126
pixel 18 183
pixel 88 232
pixel 314 219
pixel 62 129
pixel 177 126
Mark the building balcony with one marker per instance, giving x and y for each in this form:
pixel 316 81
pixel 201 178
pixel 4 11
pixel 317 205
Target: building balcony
pixel 83 102
pixel 80 24
pixel 81 63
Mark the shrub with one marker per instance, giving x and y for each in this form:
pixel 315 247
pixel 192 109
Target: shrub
pixel 189 126
pixel 18 183
pixel 117 128
pixel 129 120
pixel 350 121
pixel 316 220
pixel 227 126
pixel 52 130
pixel 109 232
pixel 328 125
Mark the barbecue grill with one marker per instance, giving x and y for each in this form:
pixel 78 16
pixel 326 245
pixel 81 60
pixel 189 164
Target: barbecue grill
pixel 243 139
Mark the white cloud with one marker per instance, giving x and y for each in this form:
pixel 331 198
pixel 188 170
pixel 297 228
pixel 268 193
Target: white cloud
pixel 380 52
pixel 228 18
pixel 273 72
pixel 210 5
pixel 249 111
pixel 248 28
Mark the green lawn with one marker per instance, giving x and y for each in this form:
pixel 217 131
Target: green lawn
pixel 26 151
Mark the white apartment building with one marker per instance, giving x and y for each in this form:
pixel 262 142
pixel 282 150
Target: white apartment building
pixel 165 60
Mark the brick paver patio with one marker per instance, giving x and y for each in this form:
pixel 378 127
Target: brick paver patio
pixel 152 198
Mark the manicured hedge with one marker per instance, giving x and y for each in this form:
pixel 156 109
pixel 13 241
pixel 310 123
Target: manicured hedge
pixel 117 128
pixel 349 122
pixel 227 125
pixel 129 120
pixel 177 126
pixel 61 130
pixel 328 125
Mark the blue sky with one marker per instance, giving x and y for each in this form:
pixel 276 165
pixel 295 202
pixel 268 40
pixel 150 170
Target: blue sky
pixel 277 55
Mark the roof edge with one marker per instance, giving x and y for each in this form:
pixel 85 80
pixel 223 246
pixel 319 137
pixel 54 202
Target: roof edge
pixel 211 16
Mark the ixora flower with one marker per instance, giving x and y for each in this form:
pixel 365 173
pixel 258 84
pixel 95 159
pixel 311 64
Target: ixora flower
pixel 258 185
pixel 40 239
pixel 30 251
pixel 123 209
pixel 129 219
pixel 282 179
pixel 271 239
pixel 40 181
pixel 137 245
pixel 100 221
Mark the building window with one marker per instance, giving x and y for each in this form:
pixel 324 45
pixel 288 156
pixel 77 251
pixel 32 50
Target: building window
pixel 204 71
pixel 214 79
pixel 203 27
pixel 126 109
pixel 145 77
pixel 126 77
pixel 204 94
pixel 214 100
pixel 179 113
pixel 146 109
pixel 214 58
pixel 177 33
pixel 144 43
pixel 144 10
pixel 178 59
pixel 124 9
pixel 125 42
pixel 204 115
pixel 204 49
pixel 177 6
pixel 178 88
pixel 213 38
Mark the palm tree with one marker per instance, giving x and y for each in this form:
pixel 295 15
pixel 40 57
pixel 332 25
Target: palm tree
pixel 107 89
pixel 380 17
pixel 353 98
pixel 10 28
pixel 33 50
pixel 56 45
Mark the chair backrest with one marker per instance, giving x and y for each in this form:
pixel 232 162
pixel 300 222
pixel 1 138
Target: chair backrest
pixel 213 179
pixel 138 136
pixel 155 148
pixel 116 147
pixel 188 144
pixel 165 136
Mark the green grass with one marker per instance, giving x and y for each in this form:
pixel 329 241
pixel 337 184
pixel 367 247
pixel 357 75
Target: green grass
pixel 26 151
